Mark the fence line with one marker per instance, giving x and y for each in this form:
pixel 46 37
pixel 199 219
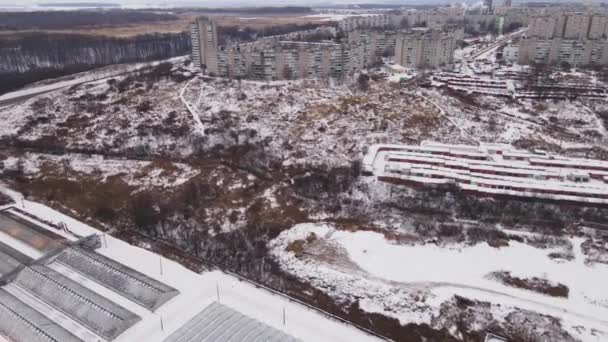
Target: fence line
pixel 309 306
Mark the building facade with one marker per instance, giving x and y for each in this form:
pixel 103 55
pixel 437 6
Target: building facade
pixel 364 22
pixel 286 60
pixel 204 42
pixel 421 50
pixel 578 39
pixel 291 56
pixel 372 44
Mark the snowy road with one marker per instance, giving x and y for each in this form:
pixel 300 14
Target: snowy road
pixel 18 96
pixel 482 53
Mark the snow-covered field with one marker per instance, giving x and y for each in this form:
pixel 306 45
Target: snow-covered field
pixel 196 292
pixel 85 77
pixel 554 125
pixel 295 118
pixel 138 174
pixel 310 125
pixel 104 113
pixel 409 282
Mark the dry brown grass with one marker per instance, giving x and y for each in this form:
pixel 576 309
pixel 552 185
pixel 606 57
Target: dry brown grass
pixel 171 26
pixel 297 247
pixel 119 31
pixel 257 21
pixel 533 284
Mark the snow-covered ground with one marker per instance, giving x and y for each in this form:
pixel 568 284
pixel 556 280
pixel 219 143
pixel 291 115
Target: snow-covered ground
pixel 555 125
pixel 85 77
pixel 118 113
pixel 297 117
pixel 139 174
pixel 196 292
pixel 409 282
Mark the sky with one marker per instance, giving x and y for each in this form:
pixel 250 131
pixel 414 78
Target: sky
pixel 222 3
pixel 227 3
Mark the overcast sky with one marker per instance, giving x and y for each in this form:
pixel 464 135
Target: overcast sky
pixel 226 3
pixel 223 3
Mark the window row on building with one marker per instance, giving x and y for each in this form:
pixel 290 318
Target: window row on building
pixel 426 49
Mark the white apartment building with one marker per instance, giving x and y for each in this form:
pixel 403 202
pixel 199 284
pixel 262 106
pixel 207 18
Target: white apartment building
pixel 576 26
pixel 374 44
pixel 289 60
pixel 285 57
pixel 542 27
pixel 425 50
pixel 598 27
pixel 204 42
pixel 364 21
pixel 559 50
pixel 578 39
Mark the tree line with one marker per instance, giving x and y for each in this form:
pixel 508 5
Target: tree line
pixel 36 56
pixel 51 20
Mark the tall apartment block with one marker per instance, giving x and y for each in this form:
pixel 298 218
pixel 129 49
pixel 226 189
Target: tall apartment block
pixel 421 50
pixel 374 44
pixel 575 38
pixel 364 21
pixel 204 43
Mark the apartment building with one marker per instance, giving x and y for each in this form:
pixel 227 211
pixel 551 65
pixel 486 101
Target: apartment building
pixel 575 26
pixel 598 27
pixel 290 56
pixel 287 56
pixel 289 60
pixel 576 38
pixel 430 49
pixel 373 44
pixel 204 42
pixel 542 27
pixel 364 21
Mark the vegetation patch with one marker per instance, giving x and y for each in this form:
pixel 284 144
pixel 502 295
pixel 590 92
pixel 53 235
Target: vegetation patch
pixel 535 284
pixel 4 200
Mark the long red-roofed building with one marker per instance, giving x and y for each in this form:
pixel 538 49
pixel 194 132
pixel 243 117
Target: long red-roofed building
pixel 491 170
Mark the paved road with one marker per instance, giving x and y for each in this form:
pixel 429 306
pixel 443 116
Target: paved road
pixel 92 76
pixel 500 42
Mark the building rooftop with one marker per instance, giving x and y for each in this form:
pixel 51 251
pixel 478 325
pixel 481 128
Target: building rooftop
pixel 220 323
pixel 122 293
pixel 492 170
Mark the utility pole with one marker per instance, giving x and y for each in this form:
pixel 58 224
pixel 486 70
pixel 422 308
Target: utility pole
pixel 217 289
pixel 160 263
pixel 283 315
